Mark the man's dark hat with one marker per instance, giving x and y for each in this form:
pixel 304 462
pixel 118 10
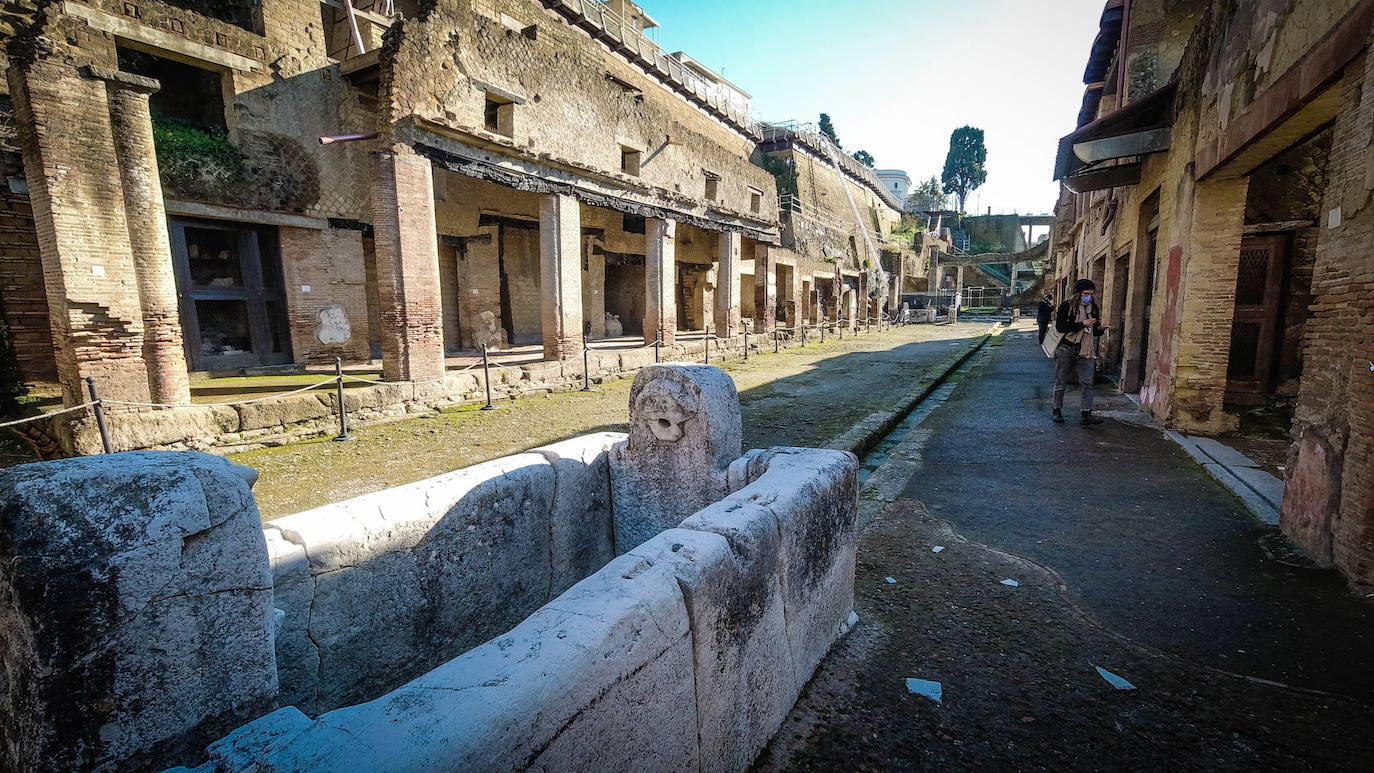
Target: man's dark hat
pixel 1084 284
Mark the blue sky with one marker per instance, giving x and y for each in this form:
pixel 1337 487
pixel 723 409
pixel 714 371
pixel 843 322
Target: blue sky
pixel 897 76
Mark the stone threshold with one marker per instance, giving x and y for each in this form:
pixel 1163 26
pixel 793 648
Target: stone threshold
pixel 1261 492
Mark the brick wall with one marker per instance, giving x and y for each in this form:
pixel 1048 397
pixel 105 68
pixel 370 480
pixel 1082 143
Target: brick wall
pixel 330 262
pixel 1328 504
pixel 21 284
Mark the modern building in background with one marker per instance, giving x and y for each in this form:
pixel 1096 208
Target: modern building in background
pixel 898 183
pixel 1214 190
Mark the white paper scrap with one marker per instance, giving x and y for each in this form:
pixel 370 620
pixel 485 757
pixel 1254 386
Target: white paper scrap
pixel 1010 583
pixel 937 548
pixel 891 581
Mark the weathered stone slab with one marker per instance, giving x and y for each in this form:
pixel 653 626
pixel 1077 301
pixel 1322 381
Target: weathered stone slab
pixel 582 535
pixel 409 577
pixel 745 678
pixel 601 679
pixel 135 610
pixel 684 433
pixel 814 495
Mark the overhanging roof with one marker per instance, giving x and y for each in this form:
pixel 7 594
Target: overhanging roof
pixel 1135 125
pixel 1104 45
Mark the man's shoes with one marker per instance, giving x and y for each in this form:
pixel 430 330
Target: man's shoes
pixel 1058 417
pixel 1089 418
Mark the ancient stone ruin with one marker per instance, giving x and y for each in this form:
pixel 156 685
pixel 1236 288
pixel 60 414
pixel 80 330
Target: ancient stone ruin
pixel 658 593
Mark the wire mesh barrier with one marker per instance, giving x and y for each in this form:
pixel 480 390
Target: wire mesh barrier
pixel 742 346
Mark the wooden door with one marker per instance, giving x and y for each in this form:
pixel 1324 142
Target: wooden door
pixel 1254 329
pixel 229 284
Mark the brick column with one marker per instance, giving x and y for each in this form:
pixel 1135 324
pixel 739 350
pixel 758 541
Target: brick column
pixel 765 288
pixel 1206 290
pixel 660 281
pixel 77 197
pixel 728 285
pixel 163 349
pixel 560 275
pixel 407 258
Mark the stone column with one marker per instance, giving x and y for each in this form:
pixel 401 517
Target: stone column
pixel 765 288
pixel 728 285
pixel 407 250
pixel 560 275
pixel 660 281
pixel 132 126
pixel 861 300
pixel 77 196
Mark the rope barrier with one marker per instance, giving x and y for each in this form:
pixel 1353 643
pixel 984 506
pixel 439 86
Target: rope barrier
pixel 47 415
pixel 131 403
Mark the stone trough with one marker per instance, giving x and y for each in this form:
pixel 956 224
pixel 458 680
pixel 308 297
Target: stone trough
pixel 651 601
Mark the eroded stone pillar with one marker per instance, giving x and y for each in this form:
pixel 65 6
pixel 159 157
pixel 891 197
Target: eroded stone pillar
pixel 660 280
pixel 560 275
pixel 137 617
pixel 407 250
pixel 77 195
pixel 765 288
pixel 728 285
pixel 163 349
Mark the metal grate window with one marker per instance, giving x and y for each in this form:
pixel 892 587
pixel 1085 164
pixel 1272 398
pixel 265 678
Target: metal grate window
pixel 1252 277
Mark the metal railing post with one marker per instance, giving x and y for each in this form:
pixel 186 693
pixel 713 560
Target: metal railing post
pixel 775 340
pixel 822 327
pixel 707 347
pixel 746 346
pixel 99 415
pixel 344 434
pixel 586 365
pixel 486 378
pixel 658 344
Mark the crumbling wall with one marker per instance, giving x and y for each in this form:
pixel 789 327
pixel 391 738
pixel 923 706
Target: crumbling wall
pixel 575 105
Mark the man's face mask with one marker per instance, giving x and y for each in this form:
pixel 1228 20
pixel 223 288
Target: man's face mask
pixel 1086 298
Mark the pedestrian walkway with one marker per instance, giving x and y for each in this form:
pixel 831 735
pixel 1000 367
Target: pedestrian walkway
pixel 1124 554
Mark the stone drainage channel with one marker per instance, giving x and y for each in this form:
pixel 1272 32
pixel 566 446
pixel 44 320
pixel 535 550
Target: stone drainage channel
pixel 891 461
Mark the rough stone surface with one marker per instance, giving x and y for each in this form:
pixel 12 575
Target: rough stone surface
pixel 135 621
pixel 684 433
pixel 406 578
pixel 582 536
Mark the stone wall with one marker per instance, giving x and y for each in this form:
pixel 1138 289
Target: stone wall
pixel 434 568
pixel 715 627
pixel 575 105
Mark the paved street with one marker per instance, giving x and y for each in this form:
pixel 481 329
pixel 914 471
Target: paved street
pixel 1127 557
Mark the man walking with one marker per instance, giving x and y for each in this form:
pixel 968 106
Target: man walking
pixel 1044 312
pixel 1080 320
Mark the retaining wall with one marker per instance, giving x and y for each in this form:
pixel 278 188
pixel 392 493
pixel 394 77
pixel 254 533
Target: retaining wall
pixel 685 653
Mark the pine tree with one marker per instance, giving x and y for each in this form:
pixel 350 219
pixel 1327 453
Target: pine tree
pixel 828 129
pixel 965 165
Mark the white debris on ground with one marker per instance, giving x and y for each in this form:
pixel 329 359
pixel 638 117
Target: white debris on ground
pixel 1010 583
pixel 891 581
pixel 937 548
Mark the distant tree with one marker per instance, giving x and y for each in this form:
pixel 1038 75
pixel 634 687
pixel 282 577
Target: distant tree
pixel 928 197
pixel 828 129
pixel 965 165
pixel 864 157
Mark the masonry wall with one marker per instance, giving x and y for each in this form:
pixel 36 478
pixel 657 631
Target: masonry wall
pixel 715 626
pixel 326 293
pixel 21 285
pixel 576 105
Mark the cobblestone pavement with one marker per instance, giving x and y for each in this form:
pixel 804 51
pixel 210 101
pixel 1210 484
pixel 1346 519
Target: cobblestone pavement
pixel 1126 557
pixel 801 396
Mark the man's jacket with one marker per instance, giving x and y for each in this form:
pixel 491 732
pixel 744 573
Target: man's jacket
pixel 1064 320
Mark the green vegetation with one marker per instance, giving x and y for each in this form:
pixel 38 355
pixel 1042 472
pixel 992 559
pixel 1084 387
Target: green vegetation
pixel 194 161
pixel 928 196
pixel 782 172
pixel 865 158
pixel 965 164
pixel 828 129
